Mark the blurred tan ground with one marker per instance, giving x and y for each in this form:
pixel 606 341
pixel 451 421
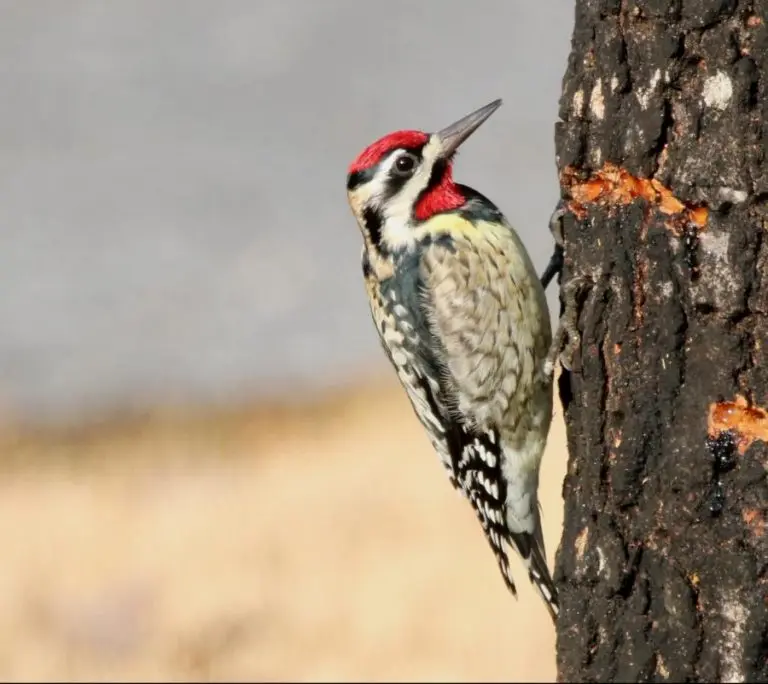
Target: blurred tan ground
pixel 313 543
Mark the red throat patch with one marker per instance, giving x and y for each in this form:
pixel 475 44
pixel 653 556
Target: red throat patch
pixel 444 196
pixel 372 154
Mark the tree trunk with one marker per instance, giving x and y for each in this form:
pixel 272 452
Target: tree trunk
pixel 662 154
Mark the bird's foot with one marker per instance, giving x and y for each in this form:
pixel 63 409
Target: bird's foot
pixel 555 265
pixel 567 338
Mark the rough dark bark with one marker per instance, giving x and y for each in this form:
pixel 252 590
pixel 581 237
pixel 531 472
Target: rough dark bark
pixel 663 159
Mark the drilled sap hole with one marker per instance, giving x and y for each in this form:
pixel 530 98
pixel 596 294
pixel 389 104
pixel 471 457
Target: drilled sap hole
pixel 722 450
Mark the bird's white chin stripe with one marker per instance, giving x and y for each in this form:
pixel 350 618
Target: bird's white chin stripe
pixel 398 235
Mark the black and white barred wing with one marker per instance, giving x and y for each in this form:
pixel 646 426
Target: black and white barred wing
pixel 470 457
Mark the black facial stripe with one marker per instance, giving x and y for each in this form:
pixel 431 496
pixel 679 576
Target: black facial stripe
pixel 357 178
pixel 373 224
pixel 394 184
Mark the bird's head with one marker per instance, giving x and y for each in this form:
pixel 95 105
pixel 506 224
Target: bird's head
pixel 405 178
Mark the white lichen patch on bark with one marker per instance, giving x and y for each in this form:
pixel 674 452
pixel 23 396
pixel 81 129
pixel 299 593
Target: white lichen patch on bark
pixel 661 668
pixel 601 564
pixel 732 195
pixel 578 103
pixel 718 91
pixel 596 156
pixel 644 94
pixel 581 543
pixel 734 615
pixel 715 244
pixel 717 285
pixel 596 101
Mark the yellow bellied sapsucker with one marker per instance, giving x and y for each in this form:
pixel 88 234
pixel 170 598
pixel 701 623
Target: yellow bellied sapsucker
pixel 463 318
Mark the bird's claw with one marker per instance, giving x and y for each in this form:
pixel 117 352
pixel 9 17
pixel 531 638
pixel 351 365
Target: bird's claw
pixel 556 222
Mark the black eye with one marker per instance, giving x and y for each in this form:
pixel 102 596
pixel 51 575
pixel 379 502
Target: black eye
pixel 405 165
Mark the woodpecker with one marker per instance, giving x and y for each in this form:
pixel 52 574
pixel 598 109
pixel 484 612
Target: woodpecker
pixel 462 316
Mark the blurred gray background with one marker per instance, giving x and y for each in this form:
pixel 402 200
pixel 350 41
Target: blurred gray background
pixel 174 220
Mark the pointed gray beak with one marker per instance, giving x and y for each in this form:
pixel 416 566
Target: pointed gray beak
pixel 455 134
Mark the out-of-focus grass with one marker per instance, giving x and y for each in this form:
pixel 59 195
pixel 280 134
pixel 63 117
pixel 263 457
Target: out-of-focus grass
pixel 315 541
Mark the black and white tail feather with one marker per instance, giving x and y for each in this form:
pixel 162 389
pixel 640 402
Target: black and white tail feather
pixel 478 473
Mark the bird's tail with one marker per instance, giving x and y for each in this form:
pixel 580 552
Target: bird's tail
pixel 531 549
